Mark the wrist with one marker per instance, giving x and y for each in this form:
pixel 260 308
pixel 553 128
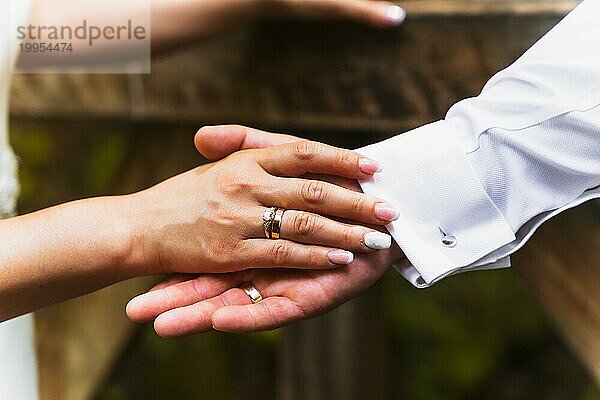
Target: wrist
pixel 147 216
pixel 130 247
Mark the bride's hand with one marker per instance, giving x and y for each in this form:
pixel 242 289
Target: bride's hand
pixel 183 305
pixel 378 13
pixel 210 219
pixel 177 22
pixel 188 304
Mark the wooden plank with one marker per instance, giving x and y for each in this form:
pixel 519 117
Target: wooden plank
pixel 334 356
pixel 450 8
pixel 304 76
pixel 561 265
pixel 79 341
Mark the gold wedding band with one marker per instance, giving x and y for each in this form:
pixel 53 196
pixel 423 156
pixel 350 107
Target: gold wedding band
pixel 268 217
pixel 272 218
pixel 276 226
pixel 253 293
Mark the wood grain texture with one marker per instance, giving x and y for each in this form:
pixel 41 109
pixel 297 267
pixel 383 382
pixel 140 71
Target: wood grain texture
pixel 561 265
pixel 79 341
pixel 302 76
pixel 450 8
pixel 334 356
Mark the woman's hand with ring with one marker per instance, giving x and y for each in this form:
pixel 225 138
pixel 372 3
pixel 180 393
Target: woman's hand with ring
pixel 210 219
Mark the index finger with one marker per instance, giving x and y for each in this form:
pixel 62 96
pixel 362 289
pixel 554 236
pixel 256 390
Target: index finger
pixel 377 13
pixel 174 293
pixel 270 313
pixel 299 158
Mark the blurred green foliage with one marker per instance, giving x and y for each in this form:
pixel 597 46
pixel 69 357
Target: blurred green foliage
pixel 475 336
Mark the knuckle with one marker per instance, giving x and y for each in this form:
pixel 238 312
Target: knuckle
pixel 200 288
pixel 220 253
pixel 281 254
pixel 313 192
pixel 224 215
pixel 347 160
pixel 273 316
pixel 227 298
pixel 246 254
pixel 233 186
pixel 349 238
pixel 315 258
pixel 201 319
pixel 305 150
pixel 360 205
pixel 236 188
pixel 304 224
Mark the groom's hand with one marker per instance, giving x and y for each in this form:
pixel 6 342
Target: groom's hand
pixel 184 305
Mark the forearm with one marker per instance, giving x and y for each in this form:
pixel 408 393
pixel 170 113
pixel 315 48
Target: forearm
pixel 179 22
pixel 476 185
pixel 533 135
pixel 75 248
pixel 63 252
pixel 173 22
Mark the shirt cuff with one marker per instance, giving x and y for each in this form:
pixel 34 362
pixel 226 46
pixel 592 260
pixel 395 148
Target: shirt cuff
pixel 447 221
pixel 408 271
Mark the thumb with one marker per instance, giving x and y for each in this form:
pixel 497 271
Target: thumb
pixel 217 142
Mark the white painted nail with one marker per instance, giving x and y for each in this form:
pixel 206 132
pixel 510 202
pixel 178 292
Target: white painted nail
pixel 378 240
pixel 394 14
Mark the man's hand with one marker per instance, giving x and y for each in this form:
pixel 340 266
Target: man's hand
pixel 184 305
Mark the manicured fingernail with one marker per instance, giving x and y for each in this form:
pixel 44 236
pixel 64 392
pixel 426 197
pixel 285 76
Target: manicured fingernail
pixel 369 166
pixel 378 240
pixel 386 212
pixel 394 14
pixel 341 257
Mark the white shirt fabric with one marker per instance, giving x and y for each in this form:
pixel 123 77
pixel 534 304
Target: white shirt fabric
pixel 18 374
pixel 473 188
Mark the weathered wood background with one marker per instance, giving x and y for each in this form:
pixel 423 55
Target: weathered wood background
pixel 329 76
pixel 332 77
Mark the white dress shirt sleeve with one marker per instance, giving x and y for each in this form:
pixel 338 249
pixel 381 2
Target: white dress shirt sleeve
pixel 472 188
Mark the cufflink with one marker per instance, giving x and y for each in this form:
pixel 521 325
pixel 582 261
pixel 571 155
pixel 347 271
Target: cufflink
pixel 449 241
